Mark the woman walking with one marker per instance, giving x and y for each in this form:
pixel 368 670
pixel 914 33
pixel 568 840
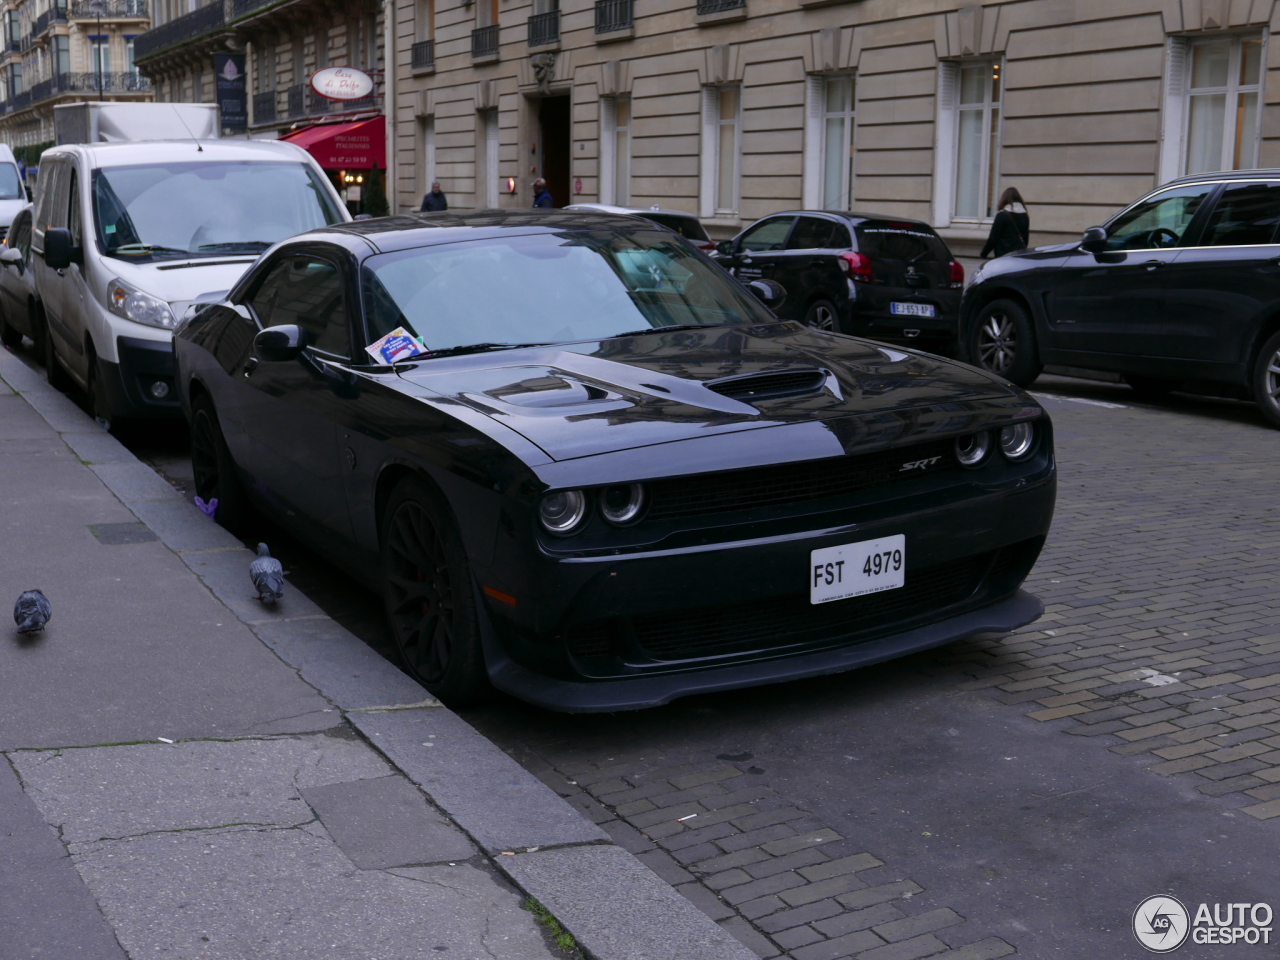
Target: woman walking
pixel 1011 229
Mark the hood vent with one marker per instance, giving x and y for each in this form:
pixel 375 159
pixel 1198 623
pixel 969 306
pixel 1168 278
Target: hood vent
pixel 769 386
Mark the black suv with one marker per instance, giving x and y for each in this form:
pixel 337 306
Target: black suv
pixel 1183 286
pixel 871 276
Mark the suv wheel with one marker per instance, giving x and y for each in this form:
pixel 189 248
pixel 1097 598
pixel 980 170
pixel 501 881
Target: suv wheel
pixel 1266 380
pixel 1001 340
pixel 821 315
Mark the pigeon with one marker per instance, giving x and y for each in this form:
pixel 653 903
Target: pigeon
pixel 32 612
pixel 267 575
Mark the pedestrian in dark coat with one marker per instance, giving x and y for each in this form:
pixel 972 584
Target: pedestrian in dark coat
pixel 435 200
pixel 1011 229
pixel 541 195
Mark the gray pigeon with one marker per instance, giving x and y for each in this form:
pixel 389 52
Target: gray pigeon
pixel 32 612
pixel 267 575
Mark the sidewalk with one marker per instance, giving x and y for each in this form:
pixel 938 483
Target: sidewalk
pixel 192 775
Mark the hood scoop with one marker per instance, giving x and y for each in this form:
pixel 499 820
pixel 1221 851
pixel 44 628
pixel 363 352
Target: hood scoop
pixel 754 387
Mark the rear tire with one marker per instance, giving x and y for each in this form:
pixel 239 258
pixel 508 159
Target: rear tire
pixel 429 596
pixel 1265 382
pixel 214 469
pixel 822 315
pixel 1002 341
pixel 1151 388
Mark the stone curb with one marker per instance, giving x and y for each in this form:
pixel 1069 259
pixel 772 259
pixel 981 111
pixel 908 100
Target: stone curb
pixel 614 905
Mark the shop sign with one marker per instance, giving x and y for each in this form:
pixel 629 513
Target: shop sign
pixel 342 83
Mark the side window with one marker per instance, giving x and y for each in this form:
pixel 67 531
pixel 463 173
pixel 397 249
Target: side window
pixel 767 235
pixel 73 210
pixel 22 236
pixel 306 290
pixel 52 198
pixel 1158 221
pixel 1246 214
pixel 812 233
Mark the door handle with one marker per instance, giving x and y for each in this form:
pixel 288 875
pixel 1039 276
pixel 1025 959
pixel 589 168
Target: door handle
pixel 250 365
pixel 1154 264
pixel 817 263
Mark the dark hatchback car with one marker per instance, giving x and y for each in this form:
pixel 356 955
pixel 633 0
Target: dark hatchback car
pixel 888 279
pixel 1183 286
pixel 613 477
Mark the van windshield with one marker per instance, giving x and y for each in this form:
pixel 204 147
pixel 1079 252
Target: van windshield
pixel 10 183
pixel 214 208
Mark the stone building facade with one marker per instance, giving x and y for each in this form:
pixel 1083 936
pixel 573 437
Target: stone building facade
pixel 64 51
pixel 734 109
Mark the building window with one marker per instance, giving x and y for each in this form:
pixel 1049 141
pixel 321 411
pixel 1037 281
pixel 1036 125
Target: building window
pixel 836 142
pixel 425 16
pixel 487 159
pixel 129 65
pixel 1222 104
pixel 615 151
pixel 99 54
pixel 977 140
pixel 721 150
pixel 62 55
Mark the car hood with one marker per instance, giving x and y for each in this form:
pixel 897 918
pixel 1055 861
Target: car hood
pixel 181 281
pixel 582 399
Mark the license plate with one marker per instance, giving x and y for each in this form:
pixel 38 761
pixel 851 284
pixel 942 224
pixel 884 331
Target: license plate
pixel 854 569
pixel 912 309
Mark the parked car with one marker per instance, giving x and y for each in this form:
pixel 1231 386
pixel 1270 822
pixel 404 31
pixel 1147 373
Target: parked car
pixel 13 192
pixel 129 234
pixel 890 279
pixel 1181 286
pixel 685 224
pixel 17 286
pixel 583 463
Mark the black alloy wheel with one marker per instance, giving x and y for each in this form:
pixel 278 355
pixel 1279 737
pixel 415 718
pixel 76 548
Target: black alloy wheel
pixel 821 315
pixel 1151 388
pixel 429 595
pixel 1266 380
pixel 1001 340
pixel 58 378
pixel 213 469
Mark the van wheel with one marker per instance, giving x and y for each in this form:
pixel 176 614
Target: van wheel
pixel 213 469
pixel 1002 341
pixel 429 595
pixel 58 378
pixel 99 406
pixel 1265 382
pixel 821 315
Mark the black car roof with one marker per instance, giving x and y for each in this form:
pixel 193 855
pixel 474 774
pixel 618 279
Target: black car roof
pixel 1269 174
pixel 404 231
pixel 851 216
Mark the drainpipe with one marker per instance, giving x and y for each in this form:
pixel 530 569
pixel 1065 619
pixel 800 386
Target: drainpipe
pixel 389 61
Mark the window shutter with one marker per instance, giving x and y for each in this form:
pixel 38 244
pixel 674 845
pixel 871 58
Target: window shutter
pixel 815 88
pixel 607 190
pixel 944 147
pixel 710 139
pixel 1173 129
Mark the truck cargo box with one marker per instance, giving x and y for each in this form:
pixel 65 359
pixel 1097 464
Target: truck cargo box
pixel 113 122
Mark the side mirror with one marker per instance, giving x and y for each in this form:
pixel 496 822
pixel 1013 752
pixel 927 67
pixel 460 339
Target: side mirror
pixel 1094 240
pixel 724 248
pixel 768 292
pixel 12 257
pixel 59 250
pixel 279 344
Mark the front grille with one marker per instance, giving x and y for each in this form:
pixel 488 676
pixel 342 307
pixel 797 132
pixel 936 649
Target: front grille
pixel 794 482
pixel 769 386
pixel 786 621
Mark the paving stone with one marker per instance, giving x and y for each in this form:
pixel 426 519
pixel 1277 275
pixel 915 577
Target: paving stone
pixel 906 949
pixel 791 844
pixel 858 919
pixel 822 889
pixel 797 937
pixel 840 947
pixel 792 861
pixel 810 912
pixel 989 949
pixel 750 938
pixel 880 894
pixel 834 868
pixel 760 888
pixel 921 923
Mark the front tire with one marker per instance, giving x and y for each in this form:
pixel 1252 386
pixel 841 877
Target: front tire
pixel 213 468
pixel 429 597
pixel 1265 382
pixel 821 315
pixel 1002 341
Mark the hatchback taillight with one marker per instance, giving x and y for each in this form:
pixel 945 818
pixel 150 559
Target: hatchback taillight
pixel 856 266
pixel 957 275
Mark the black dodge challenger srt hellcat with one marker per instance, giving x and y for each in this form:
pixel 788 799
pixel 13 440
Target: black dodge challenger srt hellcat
pixel 586 466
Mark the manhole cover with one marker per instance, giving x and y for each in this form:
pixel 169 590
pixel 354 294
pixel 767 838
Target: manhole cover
pixel 122 533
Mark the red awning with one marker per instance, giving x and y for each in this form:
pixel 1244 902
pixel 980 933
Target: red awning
pixel 345 146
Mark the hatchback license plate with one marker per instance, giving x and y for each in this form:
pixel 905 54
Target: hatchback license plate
pixel 913 309
pixel 854 569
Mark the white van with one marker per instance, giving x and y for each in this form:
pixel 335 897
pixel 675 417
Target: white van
pixel 13 195
pixel 129 235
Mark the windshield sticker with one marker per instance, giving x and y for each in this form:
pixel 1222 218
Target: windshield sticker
pixel 397 345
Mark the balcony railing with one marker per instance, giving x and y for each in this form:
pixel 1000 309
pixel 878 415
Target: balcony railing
pixel 422 55
pixel 56 15
pixel 544 28
pixel 264 107
pixel 81 9
pixel 719 6
pixel 21 100
pixel 613 15
pixel 240 8
pixel 12 46
pixel 484 41
pixel 186 27
pixel 83 83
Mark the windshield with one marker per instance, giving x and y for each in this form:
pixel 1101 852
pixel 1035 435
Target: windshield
pixel 10 183
pixel 180 210
pixel 546 288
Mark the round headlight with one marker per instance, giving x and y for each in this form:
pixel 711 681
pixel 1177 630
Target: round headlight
pixel 622 504
pixel 973 449
pixel 1016 440
pixel 561 512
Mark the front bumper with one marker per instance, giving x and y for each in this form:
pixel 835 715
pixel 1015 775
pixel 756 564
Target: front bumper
pixel 128 383
pixel 639 693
